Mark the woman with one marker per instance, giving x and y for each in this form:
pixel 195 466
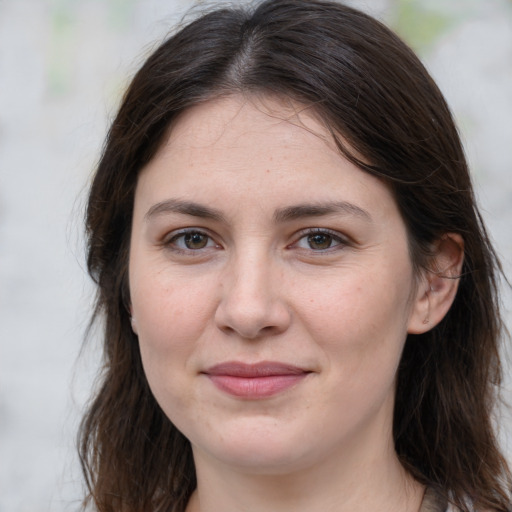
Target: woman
pixel 298 292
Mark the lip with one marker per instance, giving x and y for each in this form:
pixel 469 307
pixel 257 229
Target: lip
pixel 255 381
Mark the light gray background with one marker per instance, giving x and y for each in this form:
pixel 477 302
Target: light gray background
pixel 63 67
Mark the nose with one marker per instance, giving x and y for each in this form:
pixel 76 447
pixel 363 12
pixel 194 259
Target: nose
pixel 252 304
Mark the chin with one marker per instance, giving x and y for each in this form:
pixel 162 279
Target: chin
pixel 263 462
pixel 263 447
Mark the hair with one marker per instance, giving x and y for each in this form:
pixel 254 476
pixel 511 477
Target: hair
pixel 389 118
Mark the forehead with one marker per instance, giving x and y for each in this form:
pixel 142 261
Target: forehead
pixel 256 149
pixel 235 120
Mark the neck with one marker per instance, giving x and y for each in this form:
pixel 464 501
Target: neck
pixel 375 482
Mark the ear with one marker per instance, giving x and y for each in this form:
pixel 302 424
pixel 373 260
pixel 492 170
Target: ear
pixel 438 285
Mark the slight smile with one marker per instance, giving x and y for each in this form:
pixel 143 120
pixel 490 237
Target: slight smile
pixel 255 381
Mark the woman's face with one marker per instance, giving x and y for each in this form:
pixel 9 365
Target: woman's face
pixel 271 289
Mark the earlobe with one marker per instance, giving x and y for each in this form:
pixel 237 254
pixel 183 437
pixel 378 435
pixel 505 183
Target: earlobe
pixel 133 320
pixel 439 284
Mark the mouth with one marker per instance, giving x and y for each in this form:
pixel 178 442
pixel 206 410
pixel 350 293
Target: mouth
pixel 255 381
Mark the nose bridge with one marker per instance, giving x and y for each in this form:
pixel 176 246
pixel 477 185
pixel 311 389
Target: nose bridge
pixel 251 304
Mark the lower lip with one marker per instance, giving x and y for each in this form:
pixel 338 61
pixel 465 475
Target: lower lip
pixel 256 387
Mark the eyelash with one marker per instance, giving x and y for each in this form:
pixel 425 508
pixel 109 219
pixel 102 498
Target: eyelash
pixel 173 241
pixel 332 237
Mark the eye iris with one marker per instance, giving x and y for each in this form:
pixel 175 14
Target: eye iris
pixel 320 241
pixel 195 240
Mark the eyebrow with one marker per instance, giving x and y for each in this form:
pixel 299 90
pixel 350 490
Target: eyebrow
pixel 281 215
pixel 320 209
pixel 184 208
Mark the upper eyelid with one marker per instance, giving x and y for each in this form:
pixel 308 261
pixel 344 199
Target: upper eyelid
pixel 342 241
pixel 176 233
pixel 332 232
pixel 184 231
pixel 297 235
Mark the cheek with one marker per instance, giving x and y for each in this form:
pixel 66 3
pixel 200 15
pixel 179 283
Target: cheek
pixel 172 315
pixel 169 308
pixel 170 320
pixel 360 319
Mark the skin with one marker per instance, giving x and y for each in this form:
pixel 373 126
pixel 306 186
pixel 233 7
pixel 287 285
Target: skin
pixel 253 281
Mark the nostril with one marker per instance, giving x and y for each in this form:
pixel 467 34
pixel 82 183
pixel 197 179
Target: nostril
pixel 252 322
pixel 250 305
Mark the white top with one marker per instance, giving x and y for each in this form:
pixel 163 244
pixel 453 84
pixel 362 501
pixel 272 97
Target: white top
pixel 433 502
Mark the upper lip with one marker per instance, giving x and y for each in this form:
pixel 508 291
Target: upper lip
pixel 254 370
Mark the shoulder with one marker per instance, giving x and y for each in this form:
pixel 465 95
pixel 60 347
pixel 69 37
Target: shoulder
pixel 452 508
pixel 435 501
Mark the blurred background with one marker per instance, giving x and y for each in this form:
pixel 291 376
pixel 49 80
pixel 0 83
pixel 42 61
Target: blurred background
pixel 63 67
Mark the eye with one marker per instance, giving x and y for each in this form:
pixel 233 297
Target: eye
pixel 320 240
pixel 190 240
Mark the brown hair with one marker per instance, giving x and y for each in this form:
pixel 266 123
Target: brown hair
pixel 370 88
